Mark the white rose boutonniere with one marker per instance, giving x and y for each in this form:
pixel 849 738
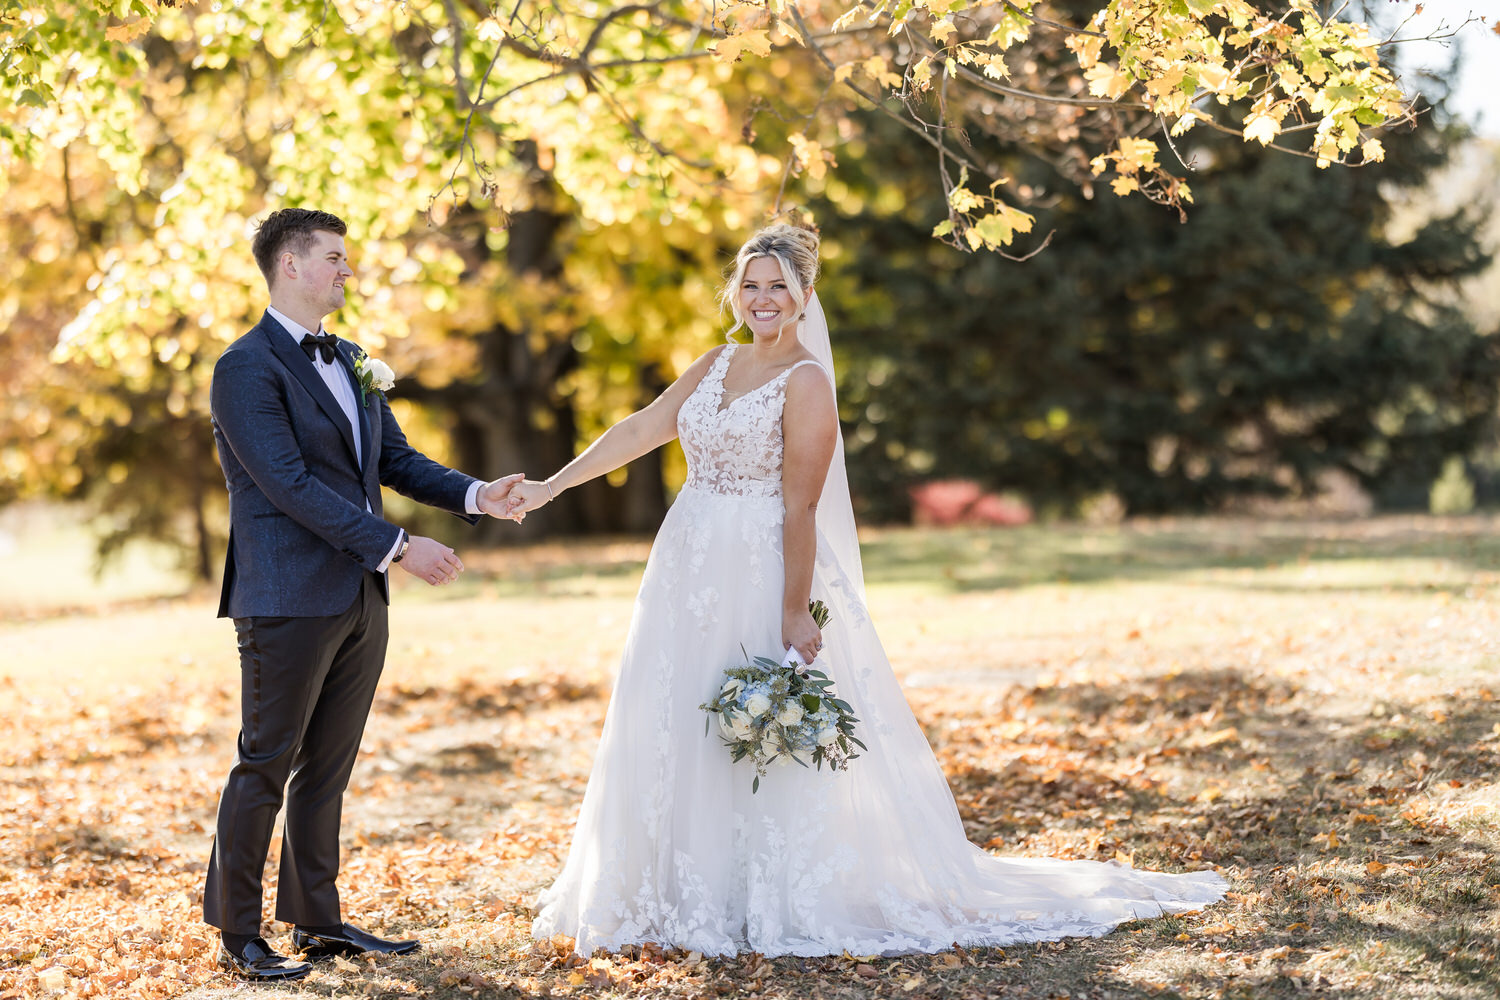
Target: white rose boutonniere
pixel 373 375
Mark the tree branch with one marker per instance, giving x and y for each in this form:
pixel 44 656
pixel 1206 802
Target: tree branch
pixel 607 20
pixel 1058 25
pixel 878 105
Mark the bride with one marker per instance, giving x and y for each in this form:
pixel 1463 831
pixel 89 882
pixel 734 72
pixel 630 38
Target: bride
pixel 671 845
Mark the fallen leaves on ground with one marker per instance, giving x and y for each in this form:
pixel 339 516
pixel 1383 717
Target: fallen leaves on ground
pixel 1326 754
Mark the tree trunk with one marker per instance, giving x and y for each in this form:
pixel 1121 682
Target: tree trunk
pixel 494 431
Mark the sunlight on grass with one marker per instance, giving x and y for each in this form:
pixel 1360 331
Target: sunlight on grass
pixel 1310 706
pixel 49 559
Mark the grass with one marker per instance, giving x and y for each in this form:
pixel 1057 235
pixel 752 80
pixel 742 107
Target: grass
pixel 1308 706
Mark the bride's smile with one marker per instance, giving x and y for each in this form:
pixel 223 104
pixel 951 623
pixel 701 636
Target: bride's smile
pixel 765 301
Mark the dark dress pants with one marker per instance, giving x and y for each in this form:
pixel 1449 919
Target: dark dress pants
pixel 306 685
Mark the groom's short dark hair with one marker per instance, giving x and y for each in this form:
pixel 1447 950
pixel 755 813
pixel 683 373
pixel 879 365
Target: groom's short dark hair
pixel 290 229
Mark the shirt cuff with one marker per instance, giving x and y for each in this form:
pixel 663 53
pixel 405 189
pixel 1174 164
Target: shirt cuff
pixel 385 563
pixel 471 502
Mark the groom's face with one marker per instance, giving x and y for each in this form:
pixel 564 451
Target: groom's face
pixel 322 271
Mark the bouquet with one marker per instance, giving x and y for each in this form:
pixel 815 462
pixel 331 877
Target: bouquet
pixel 777 713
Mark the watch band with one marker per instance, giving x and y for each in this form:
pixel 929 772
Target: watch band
pixel 401 552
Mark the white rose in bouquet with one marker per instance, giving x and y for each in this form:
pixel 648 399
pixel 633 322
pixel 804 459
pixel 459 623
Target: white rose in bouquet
pixel 826 736
pixel 758 705
pixel 726 723
pixel 769 747
pixel 731 689
pixel 791 712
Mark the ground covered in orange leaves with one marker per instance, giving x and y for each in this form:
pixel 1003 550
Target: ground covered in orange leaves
pixel 1308 707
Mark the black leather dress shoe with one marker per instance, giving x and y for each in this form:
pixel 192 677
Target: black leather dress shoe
pixel 257 962
pixel 350 940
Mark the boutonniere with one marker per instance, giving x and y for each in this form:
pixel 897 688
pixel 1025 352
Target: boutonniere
pixel 373 375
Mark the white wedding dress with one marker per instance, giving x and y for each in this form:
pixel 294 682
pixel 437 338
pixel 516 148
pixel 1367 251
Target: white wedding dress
pixel 672 847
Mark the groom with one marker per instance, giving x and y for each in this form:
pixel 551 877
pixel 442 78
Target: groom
pixel 306 441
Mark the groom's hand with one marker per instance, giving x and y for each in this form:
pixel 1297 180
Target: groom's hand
pixel 493 496
pixel 429 559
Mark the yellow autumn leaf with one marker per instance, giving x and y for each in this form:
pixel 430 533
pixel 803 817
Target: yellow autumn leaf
pixel 129 31
pixel 1165 83
pixel 1124 185
pixel 963 201
pixel 1262 129
pixel 1087 48
pixel 943 30
pixel 757 42
pixel 1372 150
pixel 995 68
pixel 995 229
pixel 1106 80
pixel 1188 120
pixel 490 30
pixel 846 20
pixel 1327 841
pixel 921 73
pixel 811 154
pixel 727 50
pixel 1136 154
pixel 1213 77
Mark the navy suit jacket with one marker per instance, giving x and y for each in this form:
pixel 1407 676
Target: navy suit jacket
pixel 300 538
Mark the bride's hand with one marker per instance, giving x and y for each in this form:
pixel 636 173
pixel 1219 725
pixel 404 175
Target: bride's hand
pixel 799 631
pixel 528 495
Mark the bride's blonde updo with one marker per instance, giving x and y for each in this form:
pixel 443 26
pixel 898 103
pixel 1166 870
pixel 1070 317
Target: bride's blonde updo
pixel 794 249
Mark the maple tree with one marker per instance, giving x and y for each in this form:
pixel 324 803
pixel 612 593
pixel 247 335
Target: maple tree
pixel 540 195
pixel 577 78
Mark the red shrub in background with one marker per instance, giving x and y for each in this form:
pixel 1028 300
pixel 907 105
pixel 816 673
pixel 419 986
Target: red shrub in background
pixel 945 502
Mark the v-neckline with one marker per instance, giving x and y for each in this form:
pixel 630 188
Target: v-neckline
pixel 722 407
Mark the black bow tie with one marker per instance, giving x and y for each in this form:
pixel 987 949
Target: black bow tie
pixel 315 344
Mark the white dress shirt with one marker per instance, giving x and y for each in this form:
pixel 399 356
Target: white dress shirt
pixel 337 379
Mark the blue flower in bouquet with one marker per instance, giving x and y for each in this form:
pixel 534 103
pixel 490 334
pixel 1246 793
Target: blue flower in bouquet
pixel 776 713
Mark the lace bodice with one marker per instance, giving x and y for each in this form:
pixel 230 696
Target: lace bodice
pixel 734 449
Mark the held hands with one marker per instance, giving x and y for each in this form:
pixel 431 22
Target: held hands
pixel 493 497
pixel 528 495
pixel 512 497
pixel 429 559
pixel 799 631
